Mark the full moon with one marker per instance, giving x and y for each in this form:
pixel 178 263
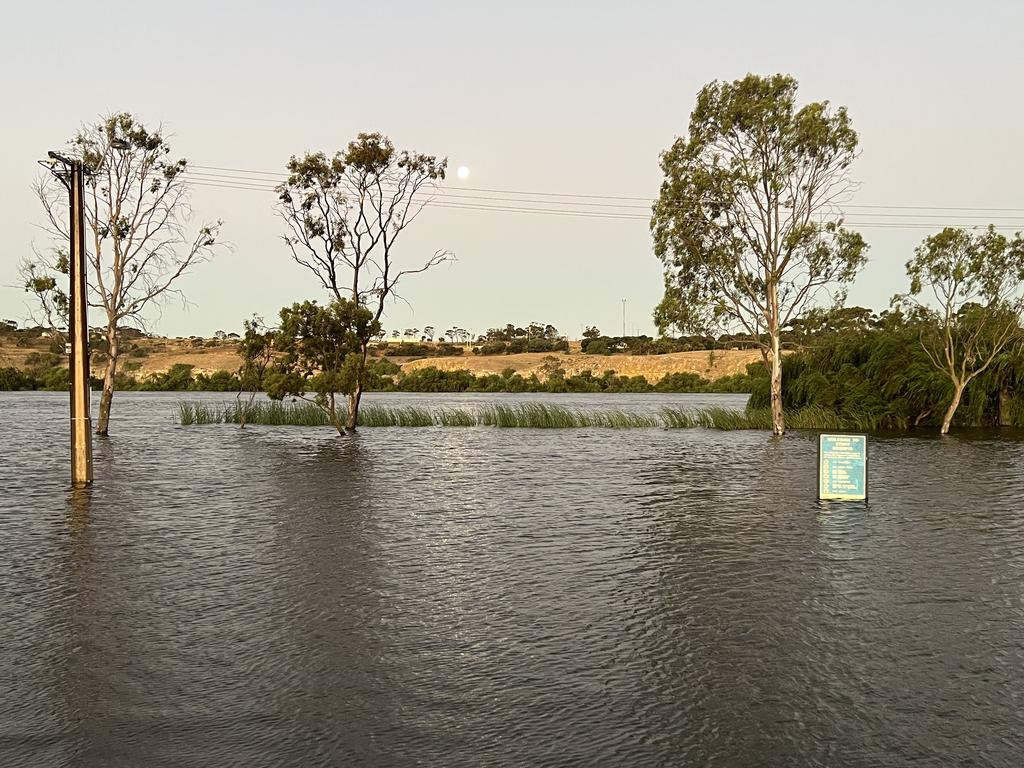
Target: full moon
pixel 462 172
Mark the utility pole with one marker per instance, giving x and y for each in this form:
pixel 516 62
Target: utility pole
pixel 623 318
pixel 78 322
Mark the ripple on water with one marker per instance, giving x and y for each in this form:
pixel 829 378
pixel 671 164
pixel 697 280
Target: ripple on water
pixel 502 597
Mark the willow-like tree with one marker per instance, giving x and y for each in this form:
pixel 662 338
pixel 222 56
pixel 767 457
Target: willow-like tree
pixel 966 292
pixel 345 215
pixel 138 238
pixel 748 224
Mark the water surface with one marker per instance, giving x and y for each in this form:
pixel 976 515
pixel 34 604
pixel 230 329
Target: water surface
pixel 486 597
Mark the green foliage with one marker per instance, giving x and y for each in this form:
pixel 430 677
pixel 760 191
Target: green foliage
pixel 415 349
pixel 54 379
pixel 384 416
pixel 491 348
pixel 524 416
pixel 645 345
pixel 319 349
pixel 737 225
pixel 218 381
pixel 546 416
pixel 432 379
pixel 274 413
pixel 455 417
pixel 13 380
pixel 751 149
pixel 878 375
pixel 136 213
pixel 966 302
pixel 177 378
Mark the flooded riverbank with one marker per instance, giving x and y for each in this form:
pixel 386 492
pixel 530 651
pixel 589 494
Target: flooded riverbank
pixel 478 596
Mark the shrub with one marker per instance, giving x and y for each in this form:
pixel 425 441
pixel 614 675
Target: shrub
pixel 491 348
pixel 13 380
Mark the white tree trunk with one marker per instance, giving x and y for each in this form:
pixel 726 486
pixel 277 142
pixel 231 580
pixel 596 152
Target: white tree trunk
pixel 107 398
pixel 778 419
pixel 948 418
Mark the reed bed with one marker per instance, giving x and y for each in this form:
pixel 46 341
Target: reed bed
pixel 530 416
pixel 454 417
pixel 388 416
pixel 545 416
pixel 272 413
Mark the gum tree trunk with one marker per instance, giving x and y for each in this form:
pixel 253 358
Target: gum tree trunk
pixel 357 393
pixel 778 419
pixel 334 415
pixel 948 418
pixel 107 398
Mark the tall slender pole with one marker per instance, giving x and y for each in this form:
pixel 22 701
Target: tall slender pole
pixel 78 325
pixel 623 318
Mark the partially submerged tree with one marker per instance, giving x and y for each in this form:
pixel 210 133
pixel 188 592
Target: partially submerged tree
pixel 966 291
pixel 138 242
pixel 256 348
pixel 748 222
pixel 345 215
pixel 316 354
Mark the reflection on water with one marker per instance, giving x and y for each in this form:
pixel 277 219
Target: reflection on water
pixel 481 597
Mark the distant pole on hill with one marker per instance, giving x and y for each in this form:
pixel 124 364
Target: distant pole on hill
pixel 623 317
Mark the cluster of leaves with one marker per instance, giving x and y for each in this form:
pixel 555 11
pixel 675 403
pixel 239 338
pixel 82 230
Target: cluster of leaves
pixel 433 379
pixel 512 332
pixel 180 378
pixel 860 364
pixel 316 353
pixel 644 345
pixel 520 345
pixel 413 349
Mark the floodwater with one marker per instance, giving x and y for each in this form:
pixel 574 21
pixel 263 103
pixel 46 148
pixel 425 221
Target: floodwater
pixel 485 597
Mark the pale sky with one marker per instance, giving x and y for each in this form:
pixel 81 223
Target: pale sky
pixel 547 96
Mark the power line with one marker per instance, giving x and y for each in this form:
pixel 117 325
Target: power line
pixel 447 194
pixel 280 177
pixel 625 216
pixel 534 203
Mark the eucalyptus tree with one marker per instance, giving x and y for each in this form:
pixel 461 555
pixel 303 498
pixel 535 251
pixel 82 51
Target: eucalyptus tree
pixel 344 216
pixel 966 292
pixel 139 240
pixel 748 223
pixel 316 353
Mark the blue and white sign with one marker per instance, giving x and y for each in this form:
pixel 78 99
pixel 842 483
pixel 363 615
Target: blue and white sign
pixel 843 467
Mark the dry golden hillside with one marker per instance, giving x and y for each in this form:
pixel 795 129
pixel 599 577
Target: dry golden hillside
pixel 651 367
pixel 157 355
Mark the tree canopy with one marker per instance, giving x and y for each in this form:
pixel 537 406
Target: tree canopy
pixel 140 240
pixel 748 223
pixel 344 215
pixel 966 292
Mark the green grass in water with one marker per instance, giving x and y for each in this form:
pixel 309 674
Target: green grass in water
pixel 529 416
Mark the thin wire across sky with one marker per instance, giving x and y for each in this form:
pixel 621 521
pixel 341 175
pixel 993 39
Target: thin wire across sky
pixel 626 207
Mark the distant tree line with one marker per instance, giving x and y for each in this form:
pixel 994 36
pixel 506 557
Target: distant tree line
pixel 382 375
pixel 432 379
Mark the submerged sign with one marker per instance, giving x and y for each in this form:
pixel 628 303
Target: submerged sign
pixel 843 467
